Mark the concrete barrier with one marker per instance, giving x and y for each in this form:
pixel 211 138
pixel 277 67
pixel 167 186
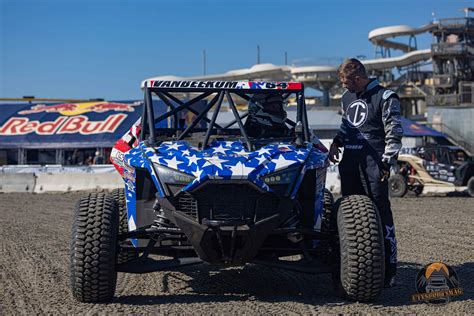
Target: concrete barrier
pixel 17 182
pixel 65 182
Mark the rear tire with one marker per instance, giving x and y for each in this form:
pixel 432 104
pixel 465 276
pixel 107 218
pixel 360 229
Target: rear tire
pixel 418 190
pixel 470 186
pixel 93 248
pixel 119 196
pixel 397 185
pixel 361 268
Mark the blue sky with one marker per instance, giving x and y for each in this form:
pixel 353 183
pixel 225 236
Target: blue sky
pixel 104 48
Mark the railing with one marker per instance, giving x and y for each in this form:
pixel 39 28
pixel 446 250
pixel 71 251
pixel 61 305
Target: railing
pixel 455 22
pixel 443 81
pixel 453 135
pixel 451 49
pixel 442 100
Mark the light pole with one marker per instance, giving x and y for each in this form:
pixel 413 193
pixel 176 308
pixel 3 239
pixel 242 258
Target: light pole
pixel 258 54
pixel 204 62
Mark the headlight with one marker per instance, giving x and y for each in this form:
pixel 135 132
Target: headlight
pixel 170 176
pixel 282 181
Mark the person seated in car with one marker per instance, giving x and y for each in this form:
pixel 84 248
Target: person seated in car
pixel 460 158
pixel 266 117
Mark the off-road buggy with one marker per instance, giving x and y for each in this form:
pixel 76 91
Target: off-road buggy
pixel 213 194
pixel 441 168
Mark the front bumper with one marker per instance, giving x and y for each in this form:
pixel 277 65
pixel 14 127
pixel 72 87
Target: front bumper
pixel 227 222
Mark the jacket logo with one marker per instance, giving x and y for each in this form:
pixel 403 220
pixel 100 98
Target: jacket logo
pixel 356 113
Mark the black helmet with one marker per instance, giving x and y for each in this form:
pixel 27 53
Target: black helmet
pixel 267 109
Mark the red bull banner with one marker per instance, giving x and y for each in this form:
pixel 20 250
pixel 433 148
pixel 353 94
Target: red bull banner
pixel 72 125
pixel 63 125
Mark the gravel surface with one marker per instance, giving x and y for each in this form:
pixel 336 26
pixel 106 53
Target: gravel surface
pixel 35 233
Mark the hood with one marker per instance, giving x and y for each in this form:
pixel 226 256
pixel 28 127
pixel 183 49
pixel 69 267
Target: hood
pixel 223 159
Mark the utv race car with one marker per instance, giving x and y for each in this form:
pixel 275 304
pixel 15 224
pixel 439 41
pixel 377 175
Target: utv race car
pixel 198 191
pixel 438 168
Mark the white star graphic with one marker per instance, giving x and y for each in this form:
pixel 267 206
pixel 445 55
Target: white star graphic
pixel 197 173
pixel 172 163
pixel 240 170
pixel 281 162
pixel 246 170
pixel 131 224
pixel 261 159
pixel 173 146
pixel 219 149
pixel 242 152
pixel 154 159
pixel 262 151
pixel 215 161
pixel 192 160
pixel 186 152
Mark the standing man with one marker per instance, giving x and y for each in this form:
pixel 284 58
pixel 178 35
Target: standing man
pixel 371 134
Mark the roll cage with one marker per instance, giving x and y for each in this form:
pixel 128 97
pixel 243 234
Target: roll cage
pixel 216 91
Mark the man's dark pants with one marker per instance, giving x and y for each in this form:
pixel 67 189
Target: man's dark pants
pixel 360 174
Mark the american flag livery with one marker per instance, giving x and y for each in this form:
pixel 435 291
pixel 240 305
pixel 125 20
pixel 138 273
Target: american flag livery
pixel 222 160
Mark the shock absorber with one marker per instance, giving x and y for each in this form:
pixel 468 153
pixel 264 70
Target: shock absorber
pixel 160 218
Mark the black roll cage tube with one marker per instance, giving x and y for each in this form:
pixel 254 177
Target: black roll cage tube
pixel 148 121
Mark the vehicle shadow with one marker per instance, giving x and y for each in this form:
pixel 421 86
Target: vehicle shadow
pixel 260 283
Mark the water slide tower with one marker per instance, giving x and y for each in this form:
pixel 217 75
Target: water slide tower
pixel 452 53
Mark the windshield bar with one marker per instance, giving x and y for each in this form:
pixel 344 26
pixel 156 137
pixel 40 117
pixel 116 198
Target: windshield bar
pixel 175 99
pixel 213 120
pixel 201 115
pixel 182 106
pixel 239 121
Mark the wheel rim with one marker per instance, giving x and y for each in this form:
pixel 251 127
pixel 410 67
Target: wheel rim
pixel 395 186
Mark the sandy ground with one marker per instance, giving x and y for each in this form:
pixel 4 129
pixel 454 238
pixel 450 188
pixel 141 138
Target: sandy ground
pixel 35 232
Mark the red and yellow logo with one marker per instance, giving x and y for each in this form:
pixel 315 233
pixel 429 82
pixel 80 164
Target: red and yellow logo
pixel 70 120
pixel 71 109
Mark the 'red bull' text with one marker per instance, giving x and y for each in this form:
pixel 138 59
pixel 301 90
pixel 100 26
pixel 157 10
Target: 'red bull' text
pixel 62 125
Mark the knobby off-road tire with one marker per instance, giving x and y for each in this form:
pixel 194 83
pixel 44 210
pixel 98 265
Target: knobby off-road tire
pixel 119 196
pixel 93 249
pixel 360 273
pixel 397 185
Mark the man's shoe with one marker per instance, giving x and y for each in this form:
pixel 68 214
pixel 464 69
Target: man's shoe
pixel 390 282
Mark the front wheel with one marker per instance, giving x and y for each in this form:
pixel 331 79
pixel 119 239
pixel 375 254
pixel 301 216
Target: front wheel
pixel 94 248
pixel 361 268
pixel 397 185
